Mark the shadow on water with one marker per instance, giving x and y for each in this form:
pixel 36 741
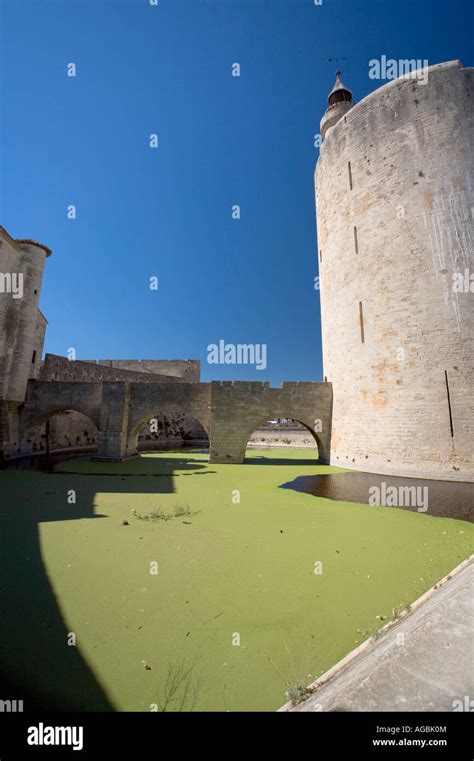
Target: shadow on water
pixel 49 462
pixel 262 460
pixel 445 499
pixel 36 663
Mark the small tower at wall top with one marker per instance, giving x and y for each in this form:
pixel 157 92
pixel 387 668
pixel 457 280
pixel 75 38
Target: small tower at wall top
pixel 387 279
pixel 340 102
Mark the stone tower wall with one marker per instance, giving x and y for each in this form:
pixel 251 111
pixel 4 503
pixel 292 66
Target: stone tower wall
pixel 20 324
pixel 395 204
pixel 38 345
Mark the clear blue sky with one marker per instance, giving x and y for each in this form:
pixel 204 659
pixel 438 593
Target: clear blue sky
pixel 222 141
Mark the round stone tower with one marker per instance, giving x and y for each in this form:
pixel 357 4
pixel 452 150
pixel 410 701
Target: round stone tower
pixel 21 323
pixel 395 205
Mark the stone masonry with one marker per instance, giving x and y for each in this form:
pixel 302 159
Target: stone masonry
pixel 395 200
pixel 228 411
pixel 395 205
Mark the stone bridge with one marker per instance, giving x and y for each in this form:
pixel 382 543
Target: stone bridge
pixel 230 411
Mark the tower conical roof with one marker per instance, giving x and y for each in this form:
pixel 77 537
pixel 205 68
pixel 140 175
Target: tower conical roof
pixel 339 92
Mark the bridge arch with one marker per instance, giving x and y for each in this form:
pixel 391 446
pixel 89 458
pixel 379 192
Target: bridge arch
pixel 289 429
pixel 55 430
pixel 240 407
pixel 169 409
pixel 47 398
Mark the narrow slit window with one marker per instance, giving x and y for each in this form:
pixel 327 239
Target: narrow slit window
pixel 356 242
pixel 33 358
pixel 320 255
pixel 449 404
pixel 350 174
pixel 361 320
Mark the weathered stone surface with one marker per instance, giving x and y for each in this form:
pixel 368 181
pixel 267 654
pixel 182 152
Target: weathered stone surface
pixel 187 369
pixel 56 368
pixel 38 343
pixel 411 154
pixel 395 207
pixel 20 324
pixel 239 408
pixel 71 430
pixel 228 412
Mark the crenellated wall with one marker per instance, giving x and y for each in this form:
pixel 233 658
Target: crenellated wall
pixel 70 429
pixel 395 199
pixel 115 413
pixel 57 368
pixel 187 369
pixel 238 408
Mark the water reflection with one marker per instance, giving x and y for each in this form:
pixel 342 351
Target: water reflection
pixel 440 498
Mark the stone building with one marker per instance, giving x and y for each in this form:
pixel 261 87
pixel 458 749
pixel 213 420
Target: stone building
pixel 73 430
pixel 22 324
pixel 394 201
pixel 22 335
pixel 395 204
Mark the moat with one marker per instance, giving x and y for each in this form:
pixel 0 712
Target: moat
pixel 445 499
pixel 254 584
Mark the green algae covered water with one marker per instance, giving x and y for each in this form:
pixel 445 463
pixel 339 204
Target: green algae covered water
pixel 250 589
